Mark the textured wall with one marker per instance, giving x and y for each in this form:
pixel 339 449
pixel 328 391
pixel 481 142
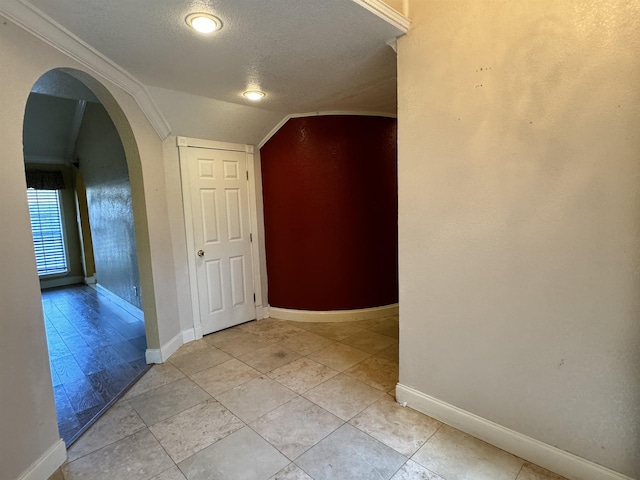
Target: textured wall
pixel 104 167
pixel 519 217
pixel 330 205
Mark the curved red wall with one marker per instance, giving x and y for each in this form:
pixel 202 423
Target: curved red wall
pixel 331 213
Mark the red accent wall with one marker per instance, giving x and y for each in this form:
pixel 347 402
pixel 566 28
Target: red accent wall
pixel 331 213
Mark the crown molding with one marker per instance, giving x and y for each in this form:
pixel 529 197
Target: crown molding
pixel 286 118
pixel 28 17
pixel 393 44
pixel 387 13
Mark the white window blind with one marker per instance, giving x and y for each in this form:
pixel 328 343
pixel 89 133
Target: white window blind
pixel 48 237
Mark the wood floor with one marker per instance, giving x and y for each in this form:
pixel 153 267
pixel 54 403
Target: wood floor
pixel 96 351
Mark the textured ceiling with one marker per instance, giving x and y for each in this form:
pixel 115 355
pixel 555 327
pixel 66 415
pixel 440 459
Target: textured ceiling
pixel 307 55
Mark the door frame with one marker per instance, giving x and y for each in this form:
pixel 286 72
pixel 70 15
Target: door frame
pixel 183 143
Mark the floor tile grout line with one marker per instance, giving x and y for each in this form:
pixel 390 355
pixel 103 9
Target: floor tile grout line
pixel 339 372
pixel 277 343
pixel 268 375
pixel 207 446
pixel 66 462
pixel 154 388
pixel 248 425
pixel 262 374
pixel 407 457
pixel 399 468
pixel 427 469
pixel 311 401
pixel 165 471
pixel 434 432
pixel 301 394
pixel 368 329
pixel 302 469
pixel 281 452
pixel 211 397
pixel 229 389
pixel 349 421
pixel 144 425
pixel 521 468
pixel 365 433
pixel 427 441
pixel 165 450
pixel 200 350
pixel 275 408
pixel 212 443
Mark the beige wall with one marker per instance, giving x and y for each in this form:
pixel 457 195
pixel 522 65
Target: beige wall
pixel 519 217
pixel 178 233
pixel 397 5
pixel 26 397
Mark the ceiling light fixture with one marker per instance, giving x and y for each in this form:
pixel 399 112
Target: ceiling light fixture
pixel 254 95
pixel 203 22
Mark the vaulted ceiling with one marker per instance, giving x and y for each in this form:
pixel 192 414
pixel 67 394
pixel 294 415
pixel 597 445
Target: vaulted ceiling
pixel 306 55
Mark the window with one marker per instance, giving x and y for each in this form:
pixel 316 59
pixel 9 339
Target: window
pixel 46 226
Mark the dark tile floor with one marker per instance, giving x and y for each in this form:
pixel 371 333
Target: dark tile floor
pixel 96 351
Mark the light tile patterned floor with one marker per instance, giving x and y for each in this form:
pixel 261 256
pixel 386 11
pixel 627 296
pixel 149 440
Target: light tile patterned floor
pixel 279 400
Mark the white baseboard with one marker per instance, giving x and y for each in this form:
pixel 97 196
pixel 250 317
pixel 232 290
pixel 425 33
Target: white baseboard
pixel 47 464
pixel 333 315
pixel 160 355
pixel 197 331
pixel 171 347
pixel 153 355
pixel 262 312
pixel 90 280
pixel 60 282
pixel 126 306
pixel 188 335
pixel 535 451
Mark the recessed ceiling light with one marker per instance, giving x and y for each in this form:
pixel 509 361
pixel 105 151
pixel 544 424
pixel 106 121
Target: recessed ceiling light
pixel 203 22
pixel 254 95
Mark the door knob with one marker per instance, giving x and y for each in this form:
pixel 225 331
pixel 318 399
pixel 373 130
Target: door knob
pixel 201 253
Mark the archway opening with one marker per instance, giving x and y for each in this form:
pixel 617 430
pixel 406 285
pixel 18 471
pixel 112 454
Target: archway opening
pixel 81 197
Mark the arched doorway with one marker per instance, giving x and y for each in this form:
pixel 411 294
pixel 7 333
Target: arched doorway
pixel 78 166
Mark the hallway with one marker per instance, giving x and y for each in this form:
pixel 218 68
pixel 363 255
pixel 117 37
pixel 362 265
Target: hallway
pixel 96 350
pixel 282 400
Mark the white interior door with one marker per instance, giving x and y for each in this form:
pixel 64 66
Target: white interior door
pixel 221 237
